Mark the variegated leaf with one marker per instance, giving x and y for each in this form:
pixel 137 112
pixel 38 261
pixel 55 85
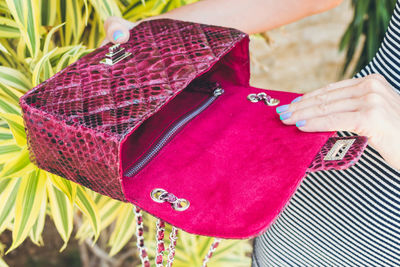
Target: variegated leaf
pixel 8 28
pixel 86 204
pixel 8 150
pixel 7 107
pixel 106 8
pixel 27 17
pixel 17 127
pixel 49 38
pixel 17 166
pixel 31 194
pixel 37 228
pixel 108 209
pixel 124 229
pixel 9 190
pixel 42 70
pixel 3 263
pixel 62 212
pixel 47 11
pixel 14 78
pixel 11 93
pixel 67 187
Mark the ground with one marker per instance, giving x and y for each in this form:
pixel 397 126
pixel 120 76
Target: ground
pixel 302 56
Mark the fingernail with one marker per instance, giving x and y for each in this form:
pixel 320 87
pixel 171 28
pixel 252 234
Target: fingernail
pixel 281 109
pixel 117 34
pixel 297 99
pixel 285 116
pixel 301 123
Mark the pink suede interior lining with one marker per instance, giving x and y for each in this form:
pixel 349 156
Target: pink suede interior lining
pixel 236 163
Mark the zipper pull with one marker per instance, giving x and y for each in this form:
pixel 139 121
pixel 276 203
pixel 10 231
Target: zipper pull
pixel 219 91
pixel 268 100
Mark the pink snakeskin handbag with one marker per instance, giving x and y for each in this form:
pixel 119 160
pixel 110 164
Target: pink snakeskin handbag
pixel 169 123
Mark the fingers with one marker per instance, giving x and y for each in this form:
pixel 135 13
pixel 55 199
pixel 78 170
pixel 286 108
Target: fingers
pixel 366 106
pixel 326 98
pixel 104 42
pixel 332 86
pixel 372 85
pixel 321 109
pixel 345 121
pixel 117 30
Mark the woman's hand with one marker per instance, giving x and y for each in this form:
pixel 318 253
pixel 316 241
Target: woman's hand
pixel 367 106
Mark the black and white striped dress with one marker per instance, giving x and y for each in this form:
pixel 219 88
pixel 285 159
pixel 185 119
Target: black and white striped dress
pixel 343 218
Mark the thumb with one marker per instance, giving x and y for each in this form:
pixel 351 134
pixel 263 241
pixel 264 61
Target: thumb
pixel 117 30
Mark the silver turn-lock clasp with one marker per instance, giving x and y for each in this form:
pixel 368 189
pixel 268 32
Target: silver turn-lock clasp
pixel 268 100
pixel 339 149
pixel 115 54
pixel 160 195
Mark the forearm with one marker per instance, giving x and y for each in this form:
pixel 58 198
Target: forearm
pixel 250 16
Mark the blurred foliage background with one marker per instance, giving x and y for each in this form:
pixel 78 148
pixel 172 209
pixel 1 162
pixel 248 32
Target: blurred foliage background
pixel 370 21
pixel 39 38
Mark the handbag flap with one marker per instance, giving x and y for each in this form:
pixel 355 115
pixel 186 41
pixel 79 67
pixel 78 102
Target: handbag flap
pixel 77 119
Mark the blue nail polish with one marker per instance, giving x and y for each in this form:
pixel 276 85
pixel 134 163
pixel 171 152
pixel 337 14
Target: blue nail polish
pixel 117 34
pixel 285 116
pixel 301 123
pixel 281 109
pixel 297 99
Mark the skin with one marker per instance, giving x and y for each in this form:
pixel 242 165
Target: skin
pixel 367 106
pixel 250 16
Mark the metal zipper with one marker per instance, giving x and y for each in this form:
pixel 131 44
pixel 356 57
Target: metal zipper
pixel 170 133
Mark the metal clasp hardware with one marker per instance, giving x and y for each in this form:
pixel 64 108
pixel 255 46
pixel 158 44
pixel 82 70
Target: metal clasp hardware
pixel 160 196
pixel 268 100
pixel 115 54
pixel 339 149
pixel 218 91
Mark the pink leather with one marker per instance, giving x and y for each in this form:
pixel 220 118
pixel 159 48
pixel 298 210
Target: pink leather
pixel 77 120
pixel 236 163
pixel 351 157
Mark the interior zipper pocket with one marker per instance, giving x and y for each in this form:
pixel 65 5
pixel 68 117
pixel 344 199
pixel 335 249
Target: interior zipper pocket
pixel 170 133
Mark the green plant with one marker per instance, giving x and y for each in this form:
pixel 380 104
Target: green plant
pixel 37 39
pixel 370 19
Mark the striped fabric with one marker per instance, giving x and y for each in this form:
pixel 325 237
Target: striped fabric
pixel 343 218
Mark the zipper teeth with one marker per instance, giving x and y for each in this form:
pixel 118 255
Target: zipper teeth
pixel 168 136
